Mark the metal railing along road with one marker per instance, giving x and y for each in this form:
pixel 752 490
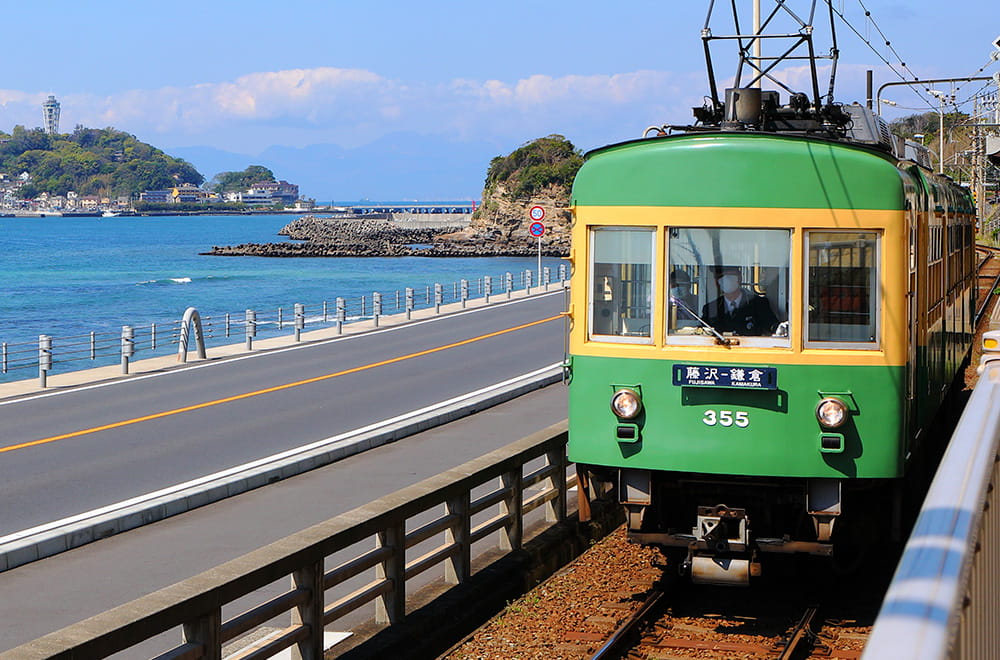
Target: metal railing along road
pixel 942 601
pixel 61 354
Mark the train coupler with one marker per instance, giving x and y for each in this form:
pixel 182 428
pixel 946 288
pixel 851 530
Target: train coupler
pixel 721 553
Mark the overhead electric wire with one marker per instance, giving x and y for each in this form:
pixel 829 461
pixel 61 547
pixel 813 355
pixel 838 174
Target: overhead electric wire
pixel 871 46
pixel 916 80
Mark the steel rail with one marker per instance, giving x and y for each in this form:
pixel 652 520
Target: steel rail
pixel 981 311
pixel 616 646
pixel 801 633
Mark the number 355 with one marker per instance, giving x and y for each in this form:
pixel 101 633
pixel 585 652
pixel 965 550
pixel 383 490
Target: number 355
pixel 738 418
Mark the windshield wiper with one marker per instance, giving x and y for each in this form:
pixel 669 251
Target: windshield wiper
pixel 725 341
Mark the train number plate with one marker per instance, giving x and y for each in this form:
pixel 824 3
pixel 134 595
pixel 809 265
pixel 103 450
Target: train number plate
pixel 748 378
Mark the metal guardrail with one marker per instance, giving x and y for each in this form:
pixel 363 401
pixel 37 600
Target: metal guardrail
pixel 51 354
pixel 196 604
pixel 942 600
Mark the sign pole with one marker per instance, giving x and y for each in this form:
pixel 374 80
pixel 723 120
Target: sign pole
pixel 537 214
pixel 539 258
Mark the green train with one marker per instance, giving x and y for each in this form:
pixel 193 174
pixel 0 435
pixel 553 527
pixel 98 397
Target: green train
pixel 768 310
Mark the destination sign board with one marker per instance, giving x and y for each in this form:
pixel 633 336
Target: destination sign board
pixel 717 375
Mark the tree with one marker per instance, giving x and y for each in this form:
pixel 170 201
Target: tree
pixel 551 160
pixel 90 160
pixel 240 181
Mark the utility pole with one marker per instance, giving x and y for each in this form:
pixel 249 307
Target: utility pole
pixel 940 96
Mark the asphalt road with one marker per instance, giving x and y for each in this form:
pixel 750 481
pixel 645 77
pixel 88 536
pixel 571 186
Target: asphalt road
pixel 48 594
pixel 86 448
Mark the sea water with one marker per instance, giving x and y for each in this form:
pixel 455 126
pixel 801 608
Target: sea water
pixel 71 276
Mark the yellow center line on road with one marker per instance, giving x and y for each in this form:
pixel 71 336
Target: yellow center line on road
pixel 277 388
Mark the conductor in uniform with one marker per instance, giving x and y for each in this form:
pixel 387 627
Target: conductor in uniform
pixel 738 310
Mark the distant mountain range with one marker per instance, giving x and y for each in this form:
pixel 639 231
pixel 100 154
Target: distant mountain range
pixel 396 167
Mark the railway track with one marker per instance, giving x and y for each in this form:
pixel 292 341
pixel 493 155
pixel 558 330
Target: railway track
pixel 596 609
pixel 729 629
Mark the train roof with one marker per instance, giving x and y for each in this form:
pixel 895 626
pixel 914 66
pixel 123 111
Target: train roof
pixel 743 169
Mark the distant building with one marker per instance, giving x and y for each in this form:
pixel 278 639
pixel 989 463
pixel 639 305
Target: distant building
pixel 257 198
pixel 50 115
pixel 187 193
pixel 155 196
pixel 275 191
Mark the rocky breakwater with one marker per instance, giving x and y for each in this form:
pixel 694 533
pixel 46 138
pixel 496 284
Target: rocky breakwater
pixel 316 236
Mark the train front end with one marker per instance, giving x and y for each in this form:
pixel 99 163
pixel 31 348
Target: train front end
pixel 738 342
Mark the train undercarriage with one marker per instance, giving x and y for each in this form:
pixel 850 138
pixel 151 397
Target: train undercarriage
pixel 719 527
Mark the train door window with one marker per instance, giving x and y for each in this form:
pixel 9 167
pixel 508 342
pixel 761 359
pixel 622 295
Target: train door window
pixel 621 283
pixel 728 282
pixel 842 299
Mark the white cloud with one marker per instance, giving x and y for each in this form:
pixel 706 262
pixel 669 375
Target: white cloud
pixel 351 106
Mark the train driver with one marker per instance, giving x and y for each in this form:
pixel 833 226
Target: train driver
pixel 738 310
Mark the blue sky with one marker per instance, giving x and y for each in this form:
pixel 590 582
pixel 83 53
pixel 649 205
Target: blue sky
pixel 245 76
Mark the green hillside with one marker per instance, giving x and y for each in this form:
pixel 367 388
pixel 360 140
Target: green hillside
pixel 89 161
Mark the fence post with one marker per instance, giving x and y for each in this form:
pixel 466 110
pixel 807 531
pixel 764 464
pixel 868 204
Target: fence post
pixel 464 287
pixel 438 295
pixel 546 276
pixel 3 364
pixel 44 358
pixel 376 306
pixel 300 320
pixel 512 507
pixel 527 282
pixel 362 306
pixel 310 613
pixel 128 346
pixel 409 302
pixel 391 607
pixel 93 345
pixel 251 328
pixel 281 319
pixel 562 274
pixel 487 287
pixel 459 567
pixel 341 315
pixel 508 283
pixel 555 510
pixel 325 316
pixel 206 631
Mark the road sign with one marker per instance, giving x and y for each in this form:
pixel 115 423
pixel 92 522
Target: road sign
pixel 537 213
pixel 536 229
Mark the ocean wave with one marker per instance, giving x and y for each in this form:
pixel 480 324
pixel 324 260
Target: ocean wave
pixel 166 281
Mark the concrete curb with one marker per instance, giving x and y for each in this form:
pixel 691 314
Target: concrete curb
pixel 46 540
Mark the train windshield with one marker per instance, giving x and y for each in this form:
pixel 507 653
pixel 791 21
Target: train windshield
pixel 731 282
pixel 621 283
pixel 842 304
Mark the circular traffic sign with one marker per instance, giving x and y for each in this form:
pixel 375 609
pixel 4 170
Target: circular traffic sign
pixel 536 229
pixel 536 213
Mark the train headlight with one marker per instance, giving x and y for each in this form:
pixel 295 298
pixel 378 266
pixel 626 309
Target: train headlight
pixel 831 412
pixel 626 403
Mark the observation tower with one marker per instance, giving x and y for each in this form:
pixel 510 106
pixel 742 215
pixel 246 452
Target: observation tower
pixel 50 113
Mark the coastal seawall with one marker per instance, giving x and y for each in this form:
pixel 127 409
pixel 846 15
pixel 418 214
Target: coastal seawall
pixel 404 234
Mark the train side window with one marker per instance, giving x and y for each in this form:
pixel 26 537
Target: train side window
pixel 842 301
pixel 621 283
